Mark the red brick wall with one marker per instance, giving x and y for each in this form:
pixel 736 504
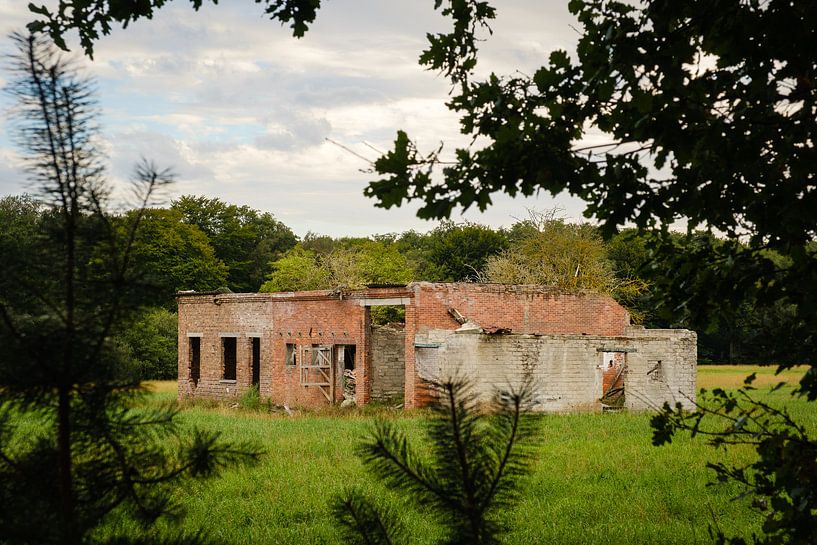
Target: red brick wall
pixel 524 309
pixel 302 321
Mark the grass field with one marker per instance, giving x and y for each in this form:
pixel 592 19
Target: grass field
pixel 596 479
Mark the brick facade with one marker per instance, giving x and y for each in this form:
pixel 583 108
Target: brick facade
pixel 331 330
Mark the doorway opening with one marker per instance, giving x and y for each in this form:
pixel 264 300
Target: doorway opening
pixel 614 368
pixel 345 364
pixel 316 369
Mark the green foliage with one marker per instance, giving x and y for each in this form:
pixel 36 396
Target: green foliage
pixel 571 256
pixel 388 314
pixel 548 251
pixel 364 523
pixel 781 478
pixel 246 240
pixel 91 17
pixel 458 252
pixel 319 244
pixel 94 453
pixel 152 340
pixel 171 255
pixel 22 222
pixel 476 461
pixel 251 399
pixel 367 262
pixel 297 270
pixel 352 264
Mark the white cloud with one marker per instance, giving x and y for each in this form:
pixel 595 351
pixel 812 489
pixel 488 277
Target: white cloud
pixel 241 110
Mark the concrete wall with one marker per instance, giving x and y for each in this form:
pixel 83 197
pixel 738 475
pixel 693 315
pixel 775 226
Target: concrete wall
pixel 567 370
pixel 388 362
pixel 523 309
pixel 664 369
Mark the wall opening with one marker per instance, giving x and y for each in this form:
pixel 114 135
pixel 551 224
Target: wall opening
pixel 656 371
pixel 229 357
pixel 316 369
pixel 194 359
pixel 614 367
pixel 255 360
pixel 291 355
pixel 345 358
pixel 387 314
pixel 388 373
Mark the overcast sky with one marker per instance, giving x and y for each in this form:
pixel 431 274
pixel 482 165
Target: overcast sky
pixel 241 110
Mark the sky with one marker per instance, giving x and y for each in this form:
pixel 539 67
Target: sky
pixel 242 111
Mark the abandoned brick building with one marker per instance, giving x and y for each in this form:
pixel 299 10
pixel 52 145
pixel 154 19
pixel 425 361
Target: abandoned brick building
pixel 312 348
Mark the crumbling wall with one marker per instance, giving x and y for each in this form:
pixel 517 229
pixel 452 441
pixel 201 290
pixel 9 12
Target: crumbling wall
pixel 278 319
pixel 664 369
pixel 388 371
pixel 563 337
pixel 211 323
pixel 523 309
pixel 566 370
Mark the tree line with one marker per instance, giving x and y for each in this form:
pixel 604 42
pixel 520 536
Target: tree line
pixel 204 244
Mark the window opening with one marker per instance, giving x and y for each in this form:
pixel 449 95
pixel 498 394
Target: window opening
pixel 256 360
pixel 348 353
pixel 228 345
pixel 194 355
pixel 292 355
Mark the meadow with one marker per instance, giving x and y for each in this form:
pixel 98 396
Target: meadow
pixel 596 477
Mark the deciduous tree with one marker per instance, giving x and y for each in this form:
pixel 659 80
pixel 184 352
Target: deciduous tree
pixel 246 240
pixel 170 255
pixel 90 18
pixel 459 252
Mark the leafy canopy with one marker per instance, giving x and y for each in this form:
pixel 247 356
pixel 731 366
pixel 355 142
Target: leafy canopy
pixel 352 267
pixel 245 239
pixel 92 17
pixel 170 255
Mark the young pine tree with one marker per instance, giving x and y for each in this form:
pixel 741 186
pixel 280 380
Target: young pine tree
pixel 74 447
pixel 478 455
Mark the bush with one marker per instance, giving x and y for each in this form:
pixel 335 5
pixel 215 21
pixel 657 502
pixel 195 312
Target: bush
pixel 152 339
pixel 251 399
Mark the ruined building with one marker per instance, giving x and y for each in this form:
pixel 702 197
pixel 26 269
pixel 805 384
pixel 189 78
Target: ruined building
pixel 313 348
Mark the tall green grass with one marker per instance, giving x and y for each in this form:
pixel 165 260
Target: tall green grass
pixel 596 479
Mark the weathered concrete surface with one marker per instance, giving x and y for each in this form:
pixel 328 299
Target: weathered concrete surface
pixel 566 370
